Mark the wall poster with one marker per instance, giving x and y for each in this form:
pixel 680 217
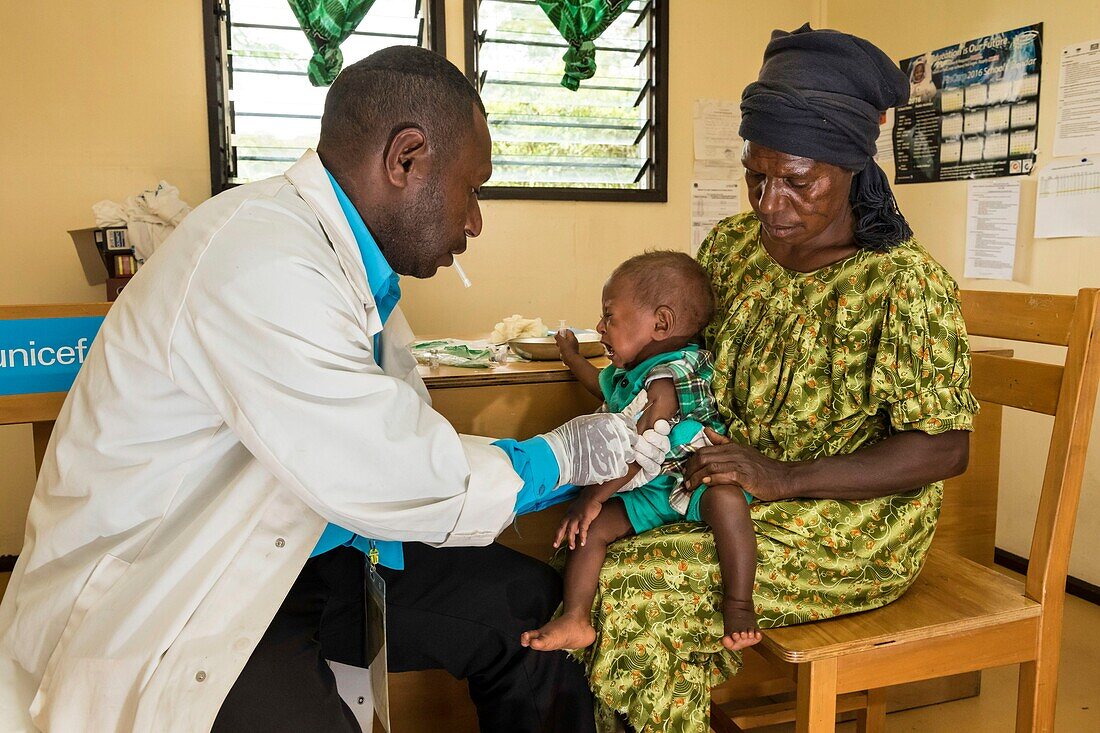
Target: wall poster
pixel 973 109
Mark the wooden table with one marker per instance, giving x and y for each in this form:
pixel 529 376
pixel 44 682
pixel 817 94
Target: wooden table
pixel 523 399
pixel 514 400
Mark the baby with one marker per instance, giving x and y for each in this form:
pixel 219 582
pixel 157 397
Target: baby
pixel 654 306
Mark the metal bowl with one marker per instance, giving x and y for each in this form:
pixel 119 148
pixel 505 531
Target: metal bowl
pixel 546 348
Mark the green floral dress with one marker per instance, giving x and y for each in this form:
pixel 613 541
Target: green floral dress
pixel 806 365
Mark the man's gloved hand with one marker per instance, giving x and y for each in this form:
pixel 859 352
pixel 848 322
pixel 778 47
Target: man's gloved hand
pixel 592 449
pixel 649 454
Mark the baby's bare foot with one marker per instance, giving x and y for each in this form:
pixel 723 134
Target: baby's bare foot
pixel 564 632
pixel 739 623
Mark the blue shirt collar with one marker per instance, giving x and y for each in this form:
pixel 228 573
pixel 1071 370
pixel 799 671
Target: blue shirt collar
pixel 383 281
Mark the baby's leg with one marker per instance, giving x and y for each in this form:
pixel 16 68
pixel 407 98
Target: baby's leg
pixel 573 629
pixel 724 508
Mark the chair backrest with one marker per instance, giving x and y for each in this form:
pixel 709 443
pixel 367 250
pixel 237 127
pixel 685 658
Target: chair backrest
pixel 1067 392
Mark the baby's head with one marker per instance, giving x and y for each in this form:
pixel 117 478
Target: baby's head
pixel 653 303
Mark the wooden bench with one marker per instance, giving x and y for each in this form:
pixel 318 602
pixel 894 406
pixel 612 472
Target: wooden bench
pixel 960 616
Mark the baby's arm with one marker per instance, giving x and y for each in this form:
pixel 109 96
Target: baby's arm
pixel 586 507
pixel 662 405
pixel 582 369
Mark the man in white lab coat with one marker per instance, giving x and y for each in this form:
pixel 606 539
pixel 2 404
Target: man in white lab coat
pixel 251 386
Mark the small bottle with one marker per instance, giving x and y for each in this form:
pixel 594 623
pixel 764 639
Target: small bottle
pixel 433 359
pixel 561 325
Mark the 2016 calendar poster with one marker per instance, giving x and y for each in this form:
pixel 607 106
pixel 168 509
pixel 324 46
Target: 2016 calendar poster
pixel 973 109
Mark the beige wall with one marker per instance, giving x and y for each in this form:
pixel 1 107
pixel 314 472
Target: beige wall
pixel 100 100
pixel 938 214
pixel 550 259
pixel 101 105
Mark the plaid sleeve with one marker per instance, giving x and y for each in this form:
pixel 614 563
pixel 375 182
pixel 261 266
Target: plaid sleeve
pixel 691 377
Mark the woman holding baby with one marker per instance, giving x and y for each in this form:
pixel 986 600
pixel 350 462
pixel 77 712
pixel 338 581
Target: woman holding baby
pixel 841 369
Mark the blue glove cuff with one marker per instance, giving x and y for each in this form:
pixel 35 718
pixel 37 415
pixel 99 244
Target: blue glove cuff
pixel 536 464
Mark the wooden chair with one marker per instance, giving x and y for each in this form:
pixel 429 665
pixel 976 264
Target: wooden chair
pixel 960 616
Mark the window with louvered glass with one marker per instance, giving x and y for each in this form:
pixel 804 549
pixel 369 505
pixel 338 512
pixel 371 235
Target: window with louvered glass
pixel 606 141
pixel 264 112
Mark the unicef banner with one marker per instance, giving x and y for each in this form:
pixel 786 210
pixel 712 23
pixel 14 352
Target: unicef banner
pixel 44 354
pixel 973 109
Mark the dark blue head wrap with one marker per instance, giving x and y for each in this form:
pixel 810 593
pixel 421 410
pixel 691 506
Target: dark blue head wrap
pixel 820 95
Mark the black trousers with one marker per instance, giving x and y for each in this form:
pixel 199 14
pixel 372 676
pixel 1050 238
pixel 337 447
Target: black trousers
pixel 458 609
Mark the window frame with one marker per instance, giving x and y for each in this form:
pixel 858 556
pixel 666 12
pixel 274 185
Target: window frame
pixel 215 20
pixel 659 124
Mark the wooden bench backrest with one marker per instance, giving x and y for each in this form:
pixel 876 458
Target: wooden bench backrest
pixel 40 410
pixel 42 407
pixel 1067 392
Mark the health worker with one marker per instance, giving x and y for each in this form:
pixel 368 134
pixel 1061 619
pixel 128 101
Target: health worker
pixel 249 431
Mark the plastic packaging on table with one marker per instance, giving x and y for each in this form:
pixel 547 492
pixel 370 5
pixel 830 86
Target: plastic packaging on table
pixel 453 352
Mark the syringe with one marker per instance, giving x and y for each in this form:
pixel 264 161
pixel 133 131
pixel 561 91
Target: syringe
pixel 461 273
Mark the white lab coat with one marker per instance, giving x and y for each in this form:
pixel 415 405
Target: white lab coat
pixel 230 406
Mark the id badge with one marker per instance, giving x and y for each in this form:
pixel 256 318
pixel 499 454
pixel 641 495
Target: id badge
pixel 376 643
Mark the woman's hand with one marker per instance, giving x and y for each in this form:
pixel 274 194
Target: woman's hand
pixel 577 518
pixel 726 463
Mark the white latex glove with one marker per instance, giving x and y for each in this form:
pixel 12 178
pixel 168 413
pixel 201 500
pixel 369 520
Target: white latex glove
pixel 592 449
pixel 637 406
pixel 649 454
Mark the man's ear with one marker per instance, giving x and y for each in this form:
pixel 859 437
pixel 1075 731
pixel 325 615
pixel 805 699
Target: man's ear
pixel 664 323
pixel 405 152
